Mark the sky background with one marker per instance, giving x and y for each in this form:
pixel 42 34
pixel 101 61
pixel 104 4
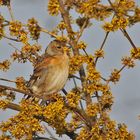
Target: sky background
pixel 126 107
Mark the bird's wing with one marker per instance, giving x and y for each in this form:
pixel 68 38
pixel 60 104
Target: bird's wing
pixel 42 65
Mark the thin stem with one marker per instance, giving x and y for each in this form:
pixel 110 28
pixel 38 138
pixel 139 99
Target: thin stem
pixel 129 39
pixel 7 80
pixel 85 52
pixel 11 12
pixel 48 32
pixel 82 30
pixel 10 38
pixel 13 106
pixel 124 30
pixel 102 45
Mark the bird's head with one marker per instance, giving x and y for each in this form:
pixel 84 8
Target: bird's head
pixel 55 48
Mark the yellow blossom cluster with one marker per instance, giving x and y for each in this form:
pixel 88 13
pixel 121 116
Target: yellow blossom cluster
pixel 53 7
pixel 106 100
pixel 116 23
pixel 135 53
pixel 15 27
pixel 73 98
pixel 21 83
pixel 93 109
pixel 92 73
pixel 95 86
pixel 81 45
pixel 24 124
pixel 55 114
pixel 128 61
pixel 99 53
pixel 105 129
pixel 28 52
pixel 33 28
pixel 61 25
pixel 3 104
pixel 123 6
pixel 23 36
pixel 93 9
pixel 5 65
pixel 115 76
pixel 76 62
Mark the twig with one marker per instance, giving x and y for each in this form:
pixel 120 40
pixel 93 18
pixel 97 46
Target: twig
pixel 48 32
pixel 7 80
pixel 85 52
pixel 82 29
pixel 124 30
pixel 74 76
pixel 13 39
pixel 18 90
pixel 129 39
pixel 11 12
pixel 13 106
pixel 49 132
pixel 103 43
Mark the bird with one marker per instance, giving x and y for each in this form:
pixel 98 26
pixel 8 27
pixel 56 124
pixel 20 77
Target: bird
pixel 51 71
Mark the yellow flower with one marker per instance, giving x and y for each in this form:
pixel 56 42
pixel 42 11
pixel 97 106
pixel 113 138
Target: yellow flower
pixel 15 27
pixel 76 62
pixel 21 83
pixel 53 7
pixel 135 53
pixel 34 28
pixel 128 61
pixel 81 45
pixel 23 36
pixel 115 76
pixel 93 109
pixel 61 25
pixel 73 98
pixel 99 53
pixel 5 65
pixel 3 104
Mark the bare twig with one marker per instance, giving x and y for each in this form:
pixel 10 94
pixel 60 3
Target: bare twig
pixel 82 29
pixel 129 39
pixel 7 80
pixel 11 12
pixel 13 106
pixel 103 43
pixel 48 32
pixel 13 39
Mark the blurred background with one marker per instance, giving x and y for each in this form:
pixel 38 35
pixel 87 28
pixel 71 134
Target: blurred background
pixel 126 107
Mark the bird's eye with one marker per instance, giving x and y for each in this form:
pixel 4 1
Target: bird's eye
pixel 59 47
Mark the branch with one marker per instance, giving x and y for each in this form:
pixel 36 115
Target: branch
pixel 129 39
pixel 103 43
pixel 73 43
pixel 48 32
pixel 11 12
pixel 13 106
pixel 16 90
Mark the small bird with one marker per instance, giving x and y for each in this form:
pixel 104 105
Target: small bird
pixel 51 71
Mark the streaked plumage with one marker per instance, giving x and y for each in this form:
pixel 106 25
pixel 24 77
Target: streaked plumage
pixel 51 71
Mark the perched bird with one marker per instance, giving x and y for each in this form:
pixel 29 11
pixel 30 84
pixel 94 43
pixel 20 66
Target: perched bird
pixel 51 71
